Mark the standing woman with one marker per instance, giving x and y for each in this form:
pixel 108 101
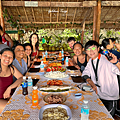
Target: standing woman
pixel 18 62
pixel 79 59
pixel 6 76
pixel 34 41
pixel 6 38
pixel 27 55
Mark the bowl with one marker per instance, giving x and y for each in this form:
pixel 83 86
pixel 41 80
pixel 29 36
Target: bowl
pixel 37 63
pixel 77 79
pixel 53 98
pixel 34 70
pixel 69 113
pixel 72 68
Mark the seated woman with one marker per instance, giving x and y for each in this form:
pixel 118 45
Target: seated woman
pixel 79 59
pixel 18 62
pixel 34 41
pixel 27 55
pixel 6 76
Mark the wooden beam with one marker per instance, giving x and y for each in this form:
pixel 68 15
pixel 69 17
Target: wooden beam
pixel 25 14
pixel 1 17
pixel 50 13
pixel 98 20
pixel 66 14
pixel 110 3
pixel 105 14
pixel 73 18
pixel 94 22
pixel 52 4
pixel 33 14
pixel 42 16
pixel 57 14
pixel 19 14
pixel 82 35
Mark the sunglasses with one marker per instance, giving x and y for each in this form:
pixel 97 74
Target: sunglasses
pixel 93 48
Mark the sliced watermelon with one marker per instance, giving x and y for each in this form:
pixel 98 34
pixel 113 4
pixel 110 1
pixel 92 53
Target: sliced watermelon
pixel 48 69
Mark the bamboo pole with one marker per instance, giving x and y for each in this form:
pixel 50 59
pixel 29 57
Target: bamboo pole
pixel 82 35
pixel 1 17
pixel 94 22
pixel 98 20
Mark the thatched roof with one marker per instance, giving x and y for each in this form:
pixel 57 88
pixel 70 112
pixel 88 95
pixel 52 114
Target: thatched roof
pixel 60 14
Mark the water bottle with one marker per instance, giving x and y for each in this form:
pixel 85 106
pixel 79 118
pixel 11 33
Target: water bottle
pixel 24 86
pixel 62 52
pixel 85 110
pixel 42 66
pixel 46 54
pixel 30 84
pixel 62 60
pixel 106 53
pixel 43 55
pixel 66 61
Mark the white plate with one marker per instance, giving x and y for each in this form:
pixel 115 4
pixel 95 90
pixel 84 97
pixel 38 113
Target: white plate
pixel 36 66
pixel 55 72
pixel 56 92
pixel 81 87
pixel 54 106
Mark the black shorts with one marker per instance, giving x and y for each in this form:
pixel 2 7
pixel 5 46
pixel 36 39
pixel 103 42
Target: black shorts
pixel 110 105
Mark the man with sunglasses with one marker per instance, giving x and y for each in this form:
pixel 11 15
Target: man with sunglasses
pixel 101 74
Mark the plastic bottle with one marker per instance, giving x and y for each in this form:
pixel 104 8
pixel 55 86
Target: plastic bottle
pixel 24 86
pixel 106 53
pixel 35 96
pixel 46 53
pixel 42 66
pixel 60 55
pixel 62 60
pixel 30 84
pixel 85 110
pixel 66 61
pixel 42 55
pixel 62 52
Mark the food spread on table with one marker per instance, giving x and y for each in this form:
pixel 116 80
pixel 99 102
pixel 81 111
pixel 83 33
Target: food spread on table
pixel 54 64
pixel 56 74
pixel 54 88
pixel 55 113
pixel 54 98
pixel 57 68
pixel 55 82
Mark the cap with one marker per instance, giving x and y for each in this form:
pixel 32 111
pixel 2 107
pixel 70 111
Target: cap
pixel 24 77
pixel 29 77
pixel 35 88
pixel 85 101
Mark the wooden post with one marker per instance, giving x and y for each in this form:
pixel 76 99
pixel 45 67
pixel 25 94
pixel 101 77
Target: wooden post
pixel 18 38
pixel 1 17
pixel 98 20
pixel 94 22
pixel 82 35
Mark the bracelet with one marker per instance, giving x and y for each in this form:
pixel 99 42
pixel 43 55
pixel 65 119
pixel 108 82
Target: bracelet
pixel 115 63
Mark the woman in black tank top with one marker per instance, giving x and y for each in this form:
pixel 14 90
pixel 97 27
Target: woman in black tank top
pixel 79 59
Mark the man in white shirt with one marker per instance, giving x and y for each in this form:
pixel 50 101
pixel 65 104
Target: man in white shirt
pixel 102 76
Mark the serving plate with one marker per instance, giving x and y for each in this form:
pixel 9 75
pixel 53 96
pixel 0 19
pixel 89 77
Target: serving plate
pixel 85 87
pixel 53 95
pixel 69 113
pixel 56 75
pixel 55 89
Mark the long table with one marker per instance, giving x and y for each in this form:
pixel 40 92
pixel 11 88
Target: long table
pixel 19 107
